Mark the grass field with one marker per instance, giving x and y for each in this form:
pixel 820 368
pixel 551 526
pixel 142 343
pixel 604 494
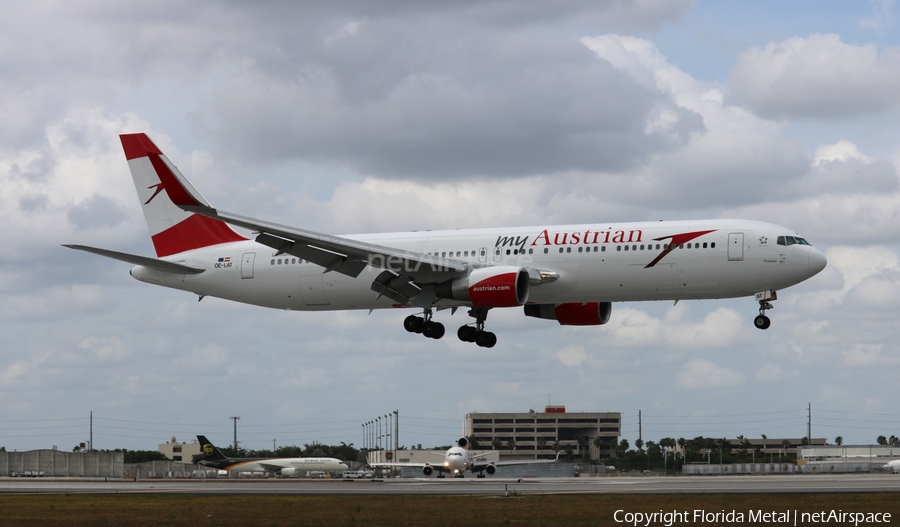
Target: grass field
pixel 138 510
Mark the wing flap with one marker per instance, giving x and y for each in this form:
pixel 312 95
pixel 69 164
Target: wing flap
pixel 330 260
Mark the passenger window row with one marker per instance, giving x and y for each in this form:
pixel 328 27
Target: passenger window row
pixel 288 261
pixel 782 240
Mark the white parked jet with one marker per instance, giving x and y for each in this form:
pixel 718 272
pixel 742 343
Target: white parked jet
pixel 458 460
pixel 893 466
pixel 285 466
pixel 567 273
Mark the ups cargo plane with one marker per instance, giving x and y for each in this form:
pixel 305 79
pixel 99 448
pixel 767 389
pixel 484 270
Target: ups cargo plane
pixel 568 273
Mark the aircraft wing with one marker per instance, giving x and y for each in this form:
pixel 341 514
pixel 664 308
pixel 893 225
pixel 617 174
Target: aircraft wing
pixel 339 254
pixel 417 465
pixel 404 272
pixel 270 467
pixel 152 263
pixel 478 467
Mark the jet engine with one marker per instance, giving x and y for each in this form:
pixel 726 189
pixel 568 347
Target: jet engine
pixel 572 314
pixel 499 286
pixel 427 470
pixel 491 469
pixel 463 442
pixel 288 472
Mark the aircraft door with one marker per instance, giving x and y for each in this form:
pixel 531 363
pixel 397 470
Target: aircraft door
pixel 498 254
pixel 247 265
pixel 482 254
pixel 736 246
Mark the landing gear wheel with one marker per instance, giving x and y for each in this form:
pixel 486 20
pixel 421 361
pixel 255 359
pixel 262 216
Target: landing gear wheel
pixel 762 322
pixel 467 333
pixel 486 339
pixel 433 330
pixel 413 324
pixel 477 334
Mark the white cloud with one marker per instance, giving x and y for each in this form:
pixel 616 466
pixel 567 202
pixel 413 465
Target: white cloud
pixel 571 356
pixel 867 356
pixel 720 328
pixel 701 374
pixel 817 77
pixel 769 373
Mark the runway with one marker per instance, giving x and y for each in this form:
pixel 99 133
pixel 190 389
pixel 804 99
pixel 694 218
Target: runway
pixel 613 485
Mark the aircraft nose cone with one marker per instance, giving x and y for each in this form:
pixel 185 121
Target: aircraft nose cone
pixel 817 261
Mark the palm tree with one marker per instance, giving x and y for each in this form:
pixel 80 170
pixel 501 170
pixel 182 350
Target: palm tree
pixel 838 440
pixel 495 443
pixel 893 440
pixel 598 442
pixel 785 445
pixel 882 440
pixel 622 448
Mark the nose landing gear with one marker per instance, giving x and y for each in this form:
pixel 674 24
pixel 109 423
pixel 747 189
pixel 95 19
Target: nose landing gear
pixel 762 321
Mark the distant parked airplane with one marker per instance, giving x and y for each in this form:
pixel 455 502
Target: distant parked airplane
pixel 458 460
pixel 286 466
pixel 893 466
pixel 568 273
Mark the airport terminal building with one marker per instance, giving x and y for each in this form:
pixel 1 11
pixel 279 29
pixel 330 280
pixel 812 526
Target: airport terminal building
pixel 538 435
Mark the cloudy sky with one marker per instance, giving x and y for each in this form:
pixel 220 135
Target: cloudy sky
pixel 367 116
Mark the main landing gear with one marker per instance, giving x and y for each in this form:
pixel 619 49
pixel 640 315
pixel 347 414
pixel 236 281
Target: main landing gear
pixel 476 333
pixel 468 333
pixel 424 325
pixel 762 321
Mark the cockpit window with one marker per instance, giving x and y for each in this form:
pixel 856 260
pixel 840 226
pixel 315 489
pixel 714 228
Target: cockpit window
pixel 792 240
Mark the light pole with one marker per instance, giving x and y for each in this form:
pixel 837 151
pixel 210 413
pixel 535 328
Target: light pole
pixel 235 418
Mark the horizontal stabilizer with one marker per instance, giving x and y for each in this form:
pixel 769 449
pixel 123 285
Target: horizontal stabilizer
pixel 150 263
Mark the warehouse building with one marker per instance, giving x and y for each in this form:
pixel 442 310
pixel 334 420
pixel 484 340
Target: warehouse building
pixel 46 463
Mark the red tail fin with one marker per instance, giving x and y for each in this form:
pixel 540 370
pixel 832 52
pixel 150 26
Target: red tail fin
pixel 158 183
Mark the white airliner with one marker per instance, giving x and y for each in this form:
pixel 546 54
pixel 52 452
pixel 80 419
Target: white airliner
pixel 285 466
pixel 893 466
pixel 458 460
pixel 567 273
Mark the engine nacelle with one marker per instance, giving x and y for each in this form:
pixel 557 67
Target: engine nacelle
pixel 463 442
pixel 491 469
pixel 499 286
pixel 572 314
pixel 427 470
pixel 288 472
